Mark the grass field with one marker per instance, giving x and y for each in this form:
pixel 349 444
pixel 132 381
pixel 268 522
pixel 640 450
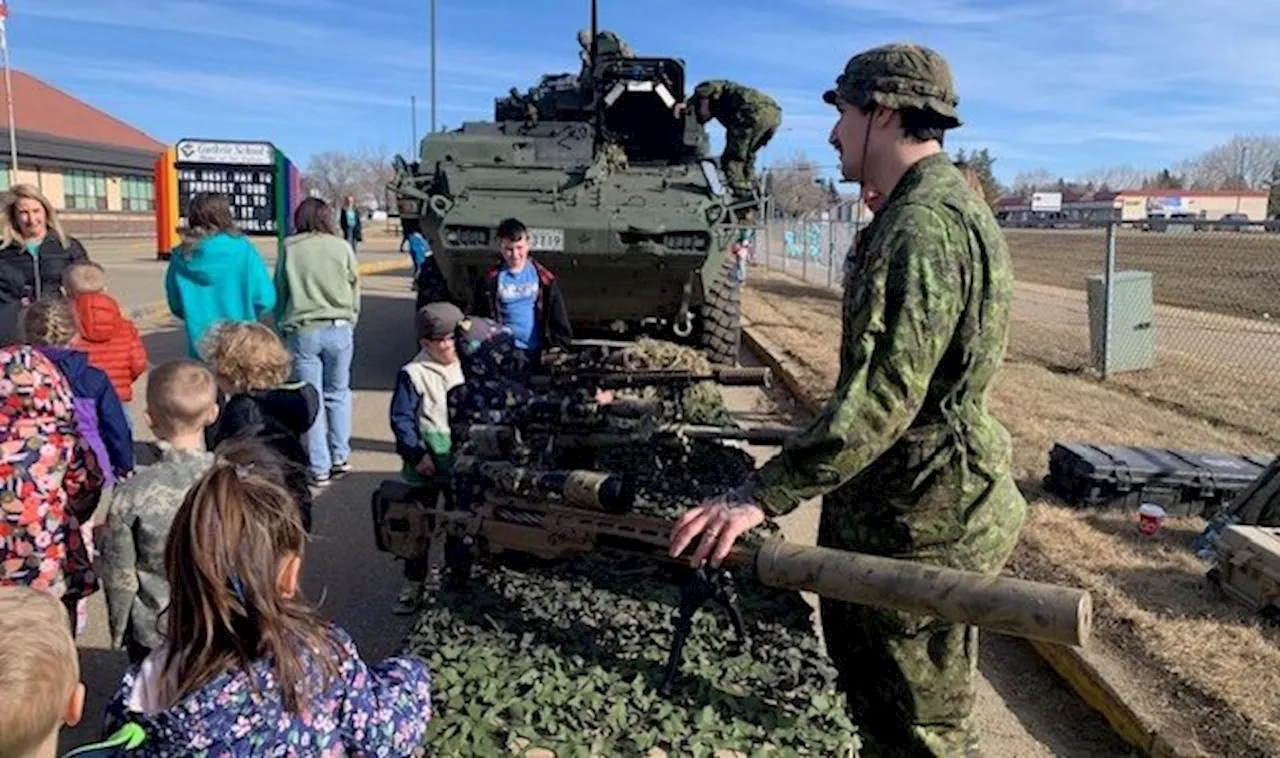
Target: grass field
pixel 1204 667
pixel 1233 273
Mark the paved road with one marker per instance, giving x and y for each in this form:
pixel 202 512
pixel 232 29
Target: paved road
pixel 1022 709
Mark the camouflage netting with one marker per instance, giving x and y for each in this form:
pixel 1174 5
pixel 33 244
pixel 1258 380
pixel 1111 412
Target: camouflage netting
pixel 568 656
pixel 700 403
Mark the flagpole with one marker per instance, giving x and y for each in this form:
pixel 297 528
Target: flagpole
pixel 8 92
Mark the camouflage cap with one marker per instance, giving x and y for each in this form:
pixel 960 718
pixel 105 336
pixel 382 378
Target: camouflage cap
pixel 900 75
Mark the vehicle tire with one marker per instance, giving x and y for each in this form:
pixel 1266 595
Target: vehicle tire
pixel 720 317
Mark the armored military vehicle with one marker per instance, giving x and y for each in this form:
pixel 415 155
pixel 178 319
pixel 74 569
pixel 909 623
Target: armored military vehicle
pixel 618 194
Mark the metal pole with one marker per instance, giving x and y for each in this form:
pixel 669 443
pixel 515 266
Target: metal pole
pixel 1108 289
pixel 413 108
pixel 8 96
pixel 433 70
pixel 1240 189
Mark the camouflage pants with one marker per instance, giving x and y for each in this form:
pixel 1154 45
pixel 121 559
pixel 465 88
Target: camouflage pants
pixel 909 679
pixel 740 148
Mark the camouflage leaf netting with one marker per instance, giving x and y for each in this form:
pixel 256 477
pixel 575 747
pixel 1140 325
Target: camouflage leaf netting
pixel 568 656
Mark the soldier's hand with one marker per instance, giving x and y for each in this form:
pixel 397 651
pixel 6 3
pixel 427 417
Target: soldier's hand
pixel 678 109
pixel 426 466
pixel 720 523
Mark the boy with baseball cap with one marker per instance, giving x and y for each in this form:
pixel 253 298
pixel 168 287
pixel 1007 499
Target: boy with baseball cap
pixel 420 421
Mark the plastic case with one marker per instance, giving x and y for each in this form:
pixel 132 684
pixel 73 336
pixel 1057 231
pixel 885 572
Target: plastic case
pixel 1248 566
pixel 1183 482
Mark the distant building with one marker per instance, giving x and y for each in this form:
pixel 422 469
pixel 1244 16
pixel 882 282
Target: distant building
pixel 1140 204
pixel 98 171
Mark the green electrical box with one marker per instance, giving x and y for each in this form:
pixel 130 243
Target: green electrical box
pixel 1133 334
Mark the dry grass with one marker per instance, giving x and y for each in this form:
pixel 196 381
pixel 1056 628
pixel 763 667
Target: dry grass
pixel 1204 666
pixel 1224 272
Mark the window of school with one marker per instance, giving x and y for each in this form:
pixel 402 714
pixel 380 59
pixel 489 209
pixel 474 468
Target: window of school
pixel 85 190
pixel 4 178
pixel 137 194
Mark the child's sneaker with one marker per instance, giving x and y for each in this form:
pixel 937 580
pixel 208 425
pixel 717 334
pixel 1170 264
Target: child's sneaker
pixel 340 470
pixel 409 600
pixel 319 481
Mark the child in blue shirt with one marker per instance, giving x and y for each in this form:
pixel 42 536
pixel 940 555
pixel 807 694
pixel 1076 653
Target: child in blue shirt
pixel 523 295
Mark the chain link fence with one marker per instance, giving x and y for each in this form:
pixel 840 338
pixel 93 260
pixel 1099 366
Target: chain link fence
pixel 1186 314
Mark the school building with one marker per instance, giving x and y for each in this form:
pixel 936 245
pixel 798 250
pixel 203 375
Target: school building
pixel 1137 205
pixel 96 170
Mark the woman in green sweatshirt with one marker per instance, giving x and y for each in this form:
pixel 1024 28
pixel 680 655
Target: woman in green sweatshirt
pixel 317 306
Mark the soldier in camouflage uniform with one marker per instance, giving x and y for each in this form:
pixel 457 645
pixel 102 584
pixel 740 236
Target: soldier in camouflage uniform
pixel 909 460
pixel 607 43
pixel 750 119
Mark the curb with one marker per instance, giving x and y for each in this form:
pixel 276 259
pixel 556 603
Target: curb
pixel 1073 664
pixel 153 314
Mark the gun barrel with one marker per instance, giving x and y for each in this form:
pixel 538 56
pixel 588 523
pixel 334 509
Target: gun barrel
pixel 1017 607
pixel 576 488
pixel 730 376
pixel 761 435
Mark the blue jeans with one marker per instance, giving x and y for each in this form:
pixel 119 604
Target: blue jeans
pixel 322 356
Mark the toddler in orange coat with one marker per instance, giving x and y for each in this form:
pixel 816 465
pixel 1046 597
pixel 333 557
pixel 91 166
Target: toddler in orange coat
pixel 108 336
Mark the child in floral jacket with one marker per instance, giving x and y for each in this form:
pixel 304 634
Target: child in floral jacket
pixel 49 481
pixel 247 668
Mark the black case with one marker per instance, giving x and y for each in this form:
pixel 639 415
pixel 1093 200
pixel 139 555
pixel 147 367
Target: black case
pixel 1183 482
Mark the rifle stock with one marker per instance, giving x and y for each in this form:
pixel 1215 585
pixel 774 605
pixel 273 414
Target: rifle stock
pixel 1005 605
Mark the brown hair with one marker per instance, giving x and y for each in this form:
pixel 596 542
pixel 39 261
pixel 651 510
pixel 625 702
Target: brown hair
pixel 10 217
pixel 226 545
pixel 49 321
pixel 39 668
pixel 314 216
pixel 179 393
pixel 84 278
pixel 246 355
pixel 208 214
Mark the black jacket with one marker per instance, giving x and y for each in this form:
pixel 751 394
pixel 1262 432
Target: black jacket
pixel 550 312
pixel 359 227
pixel 19 283
pixel 280 418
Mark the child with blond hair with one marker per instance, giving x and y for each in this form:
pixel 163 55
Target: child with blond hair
pixel 105 334
pixel 182 401
pixel 249 668
pixel 50 325
pixel 251 365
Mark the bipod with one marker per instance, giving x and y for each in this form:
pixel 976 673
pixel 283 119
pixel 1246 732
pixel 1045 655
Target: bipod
pixel 702 584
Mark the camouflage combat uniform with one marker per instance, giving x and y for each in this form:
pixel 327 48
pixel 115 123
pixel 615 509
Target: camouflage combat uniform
pixel 911 462
pixel 749 117
pixel 607 44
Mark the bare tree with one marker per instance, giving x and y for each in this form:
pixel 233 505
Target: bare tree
pixel 333 175
pixel 1027 182
pixel 1245 161
pixel 363 174
pixel 1116 177
pixel 796 187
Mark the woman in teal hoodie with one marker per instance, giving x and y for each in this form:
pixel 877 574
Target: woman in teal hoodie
pixel 216 274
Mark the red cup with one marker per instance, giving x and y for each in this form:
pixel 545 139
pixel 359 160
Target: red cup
pixel 1150 516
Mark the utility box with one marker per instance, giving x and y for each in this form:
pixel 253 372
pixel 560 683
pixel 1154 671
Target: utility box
pixel 1133 334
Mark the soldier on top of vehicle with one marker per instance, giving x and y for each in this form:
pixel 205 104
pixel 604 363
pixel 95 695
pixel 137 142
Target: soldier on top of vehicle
pixel 750 119
pixel 607 43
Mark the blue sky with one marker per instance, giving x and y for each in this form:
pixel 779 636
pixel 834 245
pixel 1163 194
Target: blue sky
pixel 1067 86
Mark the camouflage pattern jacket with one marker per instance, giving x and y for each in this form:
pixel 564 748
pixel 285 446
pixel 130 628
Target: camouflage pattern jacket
pixel 736 107
pixel 132 561
pixel 914 463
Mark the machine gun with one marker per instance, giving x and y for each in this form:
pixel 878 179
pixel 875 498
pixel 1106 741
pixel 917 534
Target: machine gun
pixel 559 514
pixel 616 379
